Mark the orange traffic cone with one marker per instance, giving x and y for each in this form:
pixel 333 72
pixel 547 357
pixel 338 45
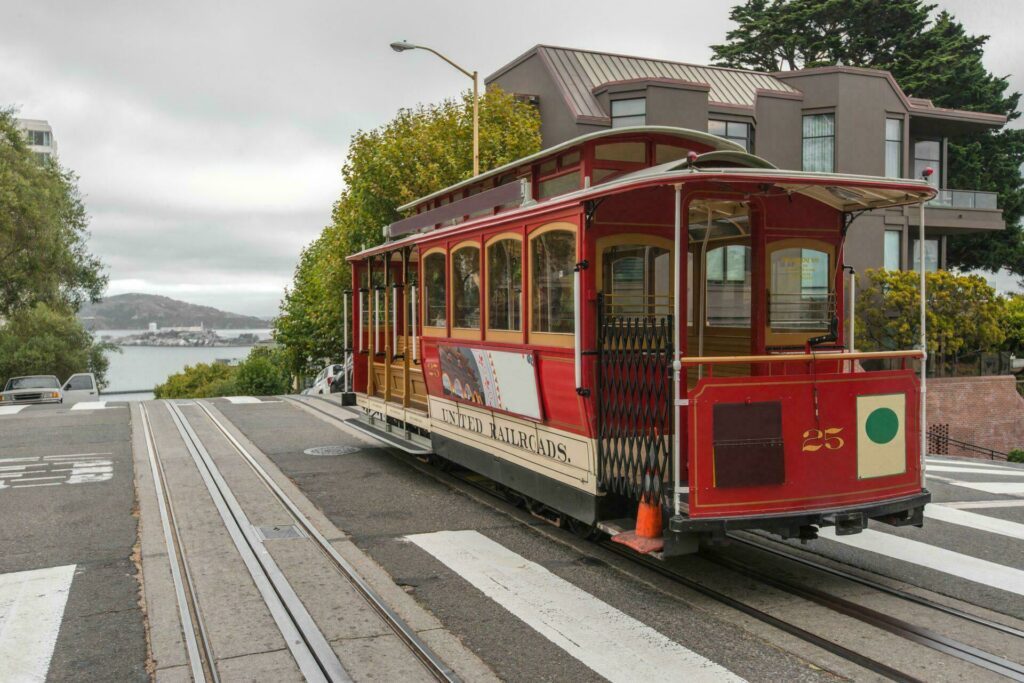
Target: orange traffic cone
pixel 648 520
pixel 646 538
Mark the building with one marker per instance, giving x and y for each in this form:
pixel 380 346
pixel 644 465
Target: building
pixel 39 134
pixel 838 119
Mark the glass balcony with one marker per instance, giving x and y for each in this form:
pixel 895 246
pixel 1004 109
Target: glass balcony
pixel 964 199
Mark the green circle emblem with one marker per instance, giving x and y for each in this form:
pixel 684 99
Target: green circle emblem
pixel 882 425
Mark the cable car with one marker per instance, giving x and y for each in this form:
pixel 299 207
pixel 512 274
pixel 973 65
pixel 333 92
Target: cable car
pixel 639 331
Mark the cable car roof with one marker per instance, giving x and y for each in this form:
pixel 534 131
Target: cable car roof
pixel 842 192
pixel 713 141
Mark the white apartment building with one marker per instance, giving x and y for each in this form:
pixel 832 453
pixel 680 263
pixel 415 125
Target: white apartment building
pixel 39 134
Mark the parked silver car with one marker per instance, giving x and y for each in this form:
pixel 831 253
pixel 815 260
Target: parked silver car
pixel 32 389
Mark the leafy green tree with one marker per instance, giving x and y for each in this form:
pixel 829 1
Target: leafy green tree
pixel 930 57
pixel 263 373
pixel 43 340
pixel 202 380
pixel 420 151
pixel 1013 324
pixel 43 231
pixel 964 313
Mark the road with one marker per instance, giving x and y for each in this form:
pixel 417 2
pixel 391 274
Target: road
pixel 495 592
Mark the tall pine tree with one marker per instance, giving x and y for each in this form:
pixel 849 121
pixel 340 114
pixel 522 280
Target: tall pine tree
pixel 931 56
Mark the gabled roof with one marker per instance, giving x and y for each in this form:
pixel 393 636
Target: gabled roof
pixel 578 73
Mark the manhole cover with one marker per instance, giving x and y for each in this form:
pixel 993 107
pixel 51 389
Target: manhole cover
pixel 331 450
pixel 269 533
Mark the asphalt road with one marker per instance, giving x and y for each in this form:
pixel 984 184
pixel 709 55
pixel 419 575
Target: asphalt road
pixel 67 499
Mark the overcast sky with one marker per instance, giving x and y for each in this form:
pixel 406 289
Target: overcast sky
pixel 209 135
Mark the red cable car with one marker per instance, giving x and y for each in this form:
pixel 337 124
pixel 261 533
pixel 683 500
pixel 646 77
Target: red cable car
pixel 643 321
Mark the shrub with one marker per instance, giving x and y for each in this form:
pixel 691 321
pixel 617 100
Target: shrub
pixel 1016 455
pixel 202 380
pixel 263 373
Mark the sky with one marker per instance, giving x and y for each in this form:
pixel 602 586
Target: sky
pixel 208 136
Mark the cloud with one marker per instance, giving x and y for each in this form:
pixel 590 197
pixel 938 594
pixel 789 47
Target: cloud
pixel 208 136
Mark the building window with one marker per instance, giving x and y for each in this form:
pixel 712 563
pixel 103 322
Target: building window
pixel 894 148
pixel 931 255
pixel 928 153
pixel 893 244
pixel 40 138
pixel 819 137
pixel 736 131
pixel 629 112
pixel 504 284
pixel 466 287
pixel 552 262
pixel 434 298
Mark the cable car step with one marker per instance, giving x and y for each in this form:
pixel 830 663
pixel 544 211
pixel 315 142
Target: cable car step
pixel 624 531
pixel 389 438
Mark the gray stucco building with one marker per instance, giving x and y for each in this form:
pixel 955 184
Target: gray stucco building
pixel 838 119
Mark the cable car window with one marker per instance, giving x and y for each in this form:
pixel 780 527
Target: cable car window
pixel 727 286
pixel 434 295
pixel 466 287
pixel 553 259
pixel 504 284
pixel 567 182
pixel 635 152
pixel 799 297
pixel 636 280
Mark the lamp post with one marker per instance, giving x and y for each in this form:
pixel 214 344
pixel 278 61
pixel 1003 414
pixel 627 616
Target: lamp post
pixel 402 46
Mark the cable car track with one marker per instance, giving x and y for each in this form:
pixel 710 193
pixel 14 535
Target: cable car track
pixel 310 649
pixel 917 634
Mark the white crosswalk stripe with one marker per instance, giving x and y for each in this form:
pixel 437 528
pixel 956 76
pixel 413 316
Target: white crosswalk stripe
pixel 243 399
pixel 11 410
pixel 1001 472
pixel 933 557
pixel 89 405
pixel 611 643
pixel 975 521
pixel 1006 488
pixel 31 610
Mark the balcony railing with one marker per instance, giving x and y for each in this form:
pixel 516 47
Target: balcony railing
pixel 965 199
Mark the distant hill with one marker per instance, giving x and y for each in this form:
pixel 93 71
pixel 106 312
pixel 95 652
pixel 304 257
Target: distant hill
pixel 136 311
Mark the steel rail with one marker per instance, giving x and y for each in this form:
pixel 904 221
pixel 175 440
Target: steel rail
pixel 308 646
pixel 434 664
pixel 920 635
pixel 201 660
pixel 825 644
pixel 909 597
pixel 906 630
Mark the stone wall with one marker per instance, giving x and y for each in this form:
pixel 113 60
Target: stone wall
pixel 985 411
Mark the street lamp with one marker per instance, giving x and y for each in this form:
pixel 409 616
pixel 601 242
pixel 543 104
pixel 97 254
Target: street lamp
pixel 403 46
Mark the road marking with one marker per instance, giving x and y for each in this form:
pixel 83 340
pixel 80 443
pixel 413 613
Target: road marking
pixel 243 399
pixel 1006 488
pixel 1001 472
pixel 31 609
pixel 11 410
pixel 611 643
pixel 86 468
pixel 975 521
pixel 972 504
pixel 925 555
pixel 969 463
pixel 74 455
pixel 89 405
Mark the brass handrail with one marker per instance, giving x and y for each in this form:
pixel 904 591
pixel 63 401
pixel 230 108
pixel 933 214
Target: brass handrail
pixel 798 357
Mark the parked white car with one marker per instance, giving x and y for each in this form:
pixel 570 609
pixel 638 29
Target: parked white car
pixel 80 387
pixel 31 389
pixel 325 378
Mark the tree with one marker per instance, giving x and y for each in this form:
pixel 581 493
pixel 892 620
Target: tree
pixel 202 380
pixel 43 231
pixel 43 340
pixel 964 313
pixel 420 151
pixel 263 373
pixel 932 58
pixel 1013 325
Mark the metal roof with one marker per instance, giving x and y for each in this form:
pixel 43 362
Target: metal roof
pixel 579 72
pixel 712 141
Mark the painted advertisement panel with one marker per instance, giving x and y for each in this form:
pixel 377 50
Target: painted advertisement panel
pixel 503 380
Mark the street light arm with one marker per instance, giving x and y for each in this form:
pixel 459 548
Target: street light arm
pixel 469 74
